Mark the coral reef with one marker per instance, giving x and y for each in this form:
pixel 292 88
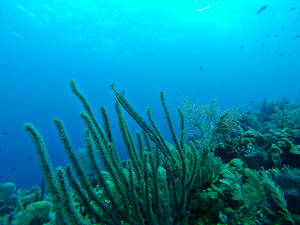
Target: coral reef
pixel 24 207
pixel 231 167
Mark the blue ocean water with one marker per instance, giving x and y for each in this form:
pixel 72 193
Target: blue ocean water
pixel 199 50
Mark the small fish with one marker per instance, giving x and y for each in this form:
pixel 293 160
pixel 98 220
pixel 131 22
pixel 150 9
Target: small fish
pixel 29 157
pixel 275 35
pixel 292 9
pixel 5 133
pixel 201 68
pixel 242 47
pixel 202 9
pixel 298 36
pixel 1 149
pixel 262 9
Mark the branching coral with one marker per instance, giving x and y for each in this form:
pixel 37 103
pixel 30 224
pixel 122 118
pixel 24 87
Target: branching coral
pixel 153 187
pixel 210 125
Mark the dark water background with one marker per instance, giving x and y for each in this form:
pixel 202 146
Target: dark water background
pixel 199 50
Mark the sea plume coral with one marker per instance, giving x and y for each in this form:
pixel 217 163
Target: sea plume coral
pixel 153 187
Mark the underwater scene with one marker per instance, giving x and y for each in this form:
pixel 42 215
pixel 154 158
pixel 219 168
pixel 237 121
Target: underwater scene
pixel 154 112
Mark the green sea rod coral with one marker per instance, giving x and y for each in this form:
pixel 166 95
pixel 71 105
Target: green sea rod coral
pixel 155 186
